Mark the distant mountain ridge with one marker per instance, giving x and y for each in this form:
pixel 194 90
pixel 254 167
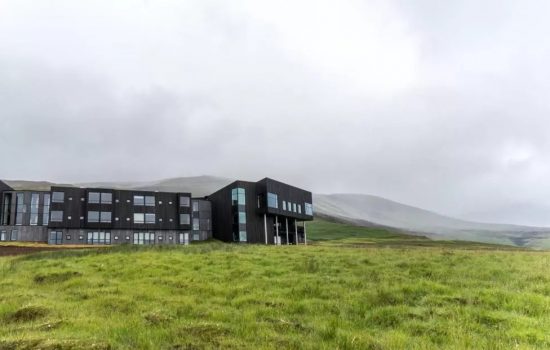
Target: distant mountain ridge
pixel 357 209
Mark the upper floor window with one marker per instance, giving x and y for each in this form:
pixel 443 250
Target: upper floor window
pixel 148 201
pixel 58 197
pixel 294 207
pixel 93 197
pixel 272 200
pixel 299 209
pixel 195 205
pixel 185 219
pixel 238 196
pixel 242 217
pixel 106 198
pixel 185 201
pixel 46 212
pixel 284 205
pixel 93 216
pixel 150 218
pixel 56 216
pixel 309 209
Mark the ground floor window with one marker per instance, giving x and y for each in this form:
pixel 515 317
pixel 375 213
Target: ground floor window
pixel 2 235
pixel 144 238
pixel 14 235
pixel 55 237
pixel 99 238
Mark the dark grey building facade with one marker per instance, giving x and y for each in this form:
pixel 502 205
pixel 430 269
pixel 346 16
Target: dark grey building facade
pixel 266 211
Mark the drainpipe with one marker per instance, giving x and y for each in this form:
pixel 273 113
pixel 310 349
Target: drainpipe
pixel 296 231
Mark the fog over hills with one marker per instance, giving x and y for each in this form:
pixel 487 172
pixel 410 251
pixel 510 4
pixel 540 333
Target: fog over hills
pixel 358 209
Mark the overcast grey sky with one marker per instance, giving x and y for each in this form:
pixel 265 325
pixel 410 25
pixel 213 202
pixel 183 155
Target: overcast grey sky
pixel 438 104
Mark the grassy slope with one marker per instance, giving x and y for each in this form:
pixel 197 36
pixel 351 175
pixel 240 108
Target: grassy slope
pixel 332 295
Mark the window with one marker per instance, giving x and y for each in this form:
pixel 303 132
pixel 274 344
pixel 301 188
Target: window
pixel 149 201
pixel 185 219
pixel 308 209
pixel 58 197
pixel 196 237
pixel 242 217
pixel 46 213
pixel 284 205
pixel 106 216
pixel 6 211
pixel 144 238
pixel 195 206
pixel 93 197
pixel 242 236
pixel 14 235
pixel 272 200
pixel 238 196
pixel 139 218
pixel 55 237
pixel 99 238
pixel 150 218
pixel 139 200
pixel 35 200
pixel 185 201
pixel 56 216
pixel 2 235
pixel 294 207
pixel 93 216
pixel 299 209
pixel 196 224
pixel 106 198
pixel 20 208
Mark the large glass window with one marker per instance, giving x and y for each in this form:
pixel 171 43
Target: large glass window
pixel 56 216
pixel 185 219
pixel 284 205
pixel 58 197
pixel 144 238
pixel 272 200
pixel 20 208
pixel 46 212
pixel 238 196
pixel 242 217
pixel 35 201
pixel 309 209
pixel 242 236
pixel 93 197
pixel 185 201
pixel 150 218
pixel 139 218
pixel 195 205
pixel 196 224
pixel 99 238
pixel 6 215
pixel 93 216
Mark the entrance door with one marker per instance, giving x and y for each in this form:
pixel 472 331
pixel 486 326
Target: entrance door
pixel 184 238
pixel 56 237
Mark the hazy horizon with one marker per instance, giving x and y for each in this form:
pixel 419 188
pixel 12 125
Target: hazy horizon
pixel 438 105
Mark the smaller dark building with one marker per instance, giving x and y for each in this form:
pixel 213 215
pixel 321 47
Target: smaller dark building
pixel 267 211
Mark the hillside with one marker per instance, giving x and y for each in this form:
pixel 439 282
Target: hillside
pixel 354 208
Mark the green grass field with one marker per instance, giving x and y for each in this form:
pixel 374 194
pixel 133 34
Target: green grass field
pixel 373 289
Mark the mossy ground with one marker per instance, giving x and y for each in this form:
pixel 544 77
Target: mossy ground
pixel 363 292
